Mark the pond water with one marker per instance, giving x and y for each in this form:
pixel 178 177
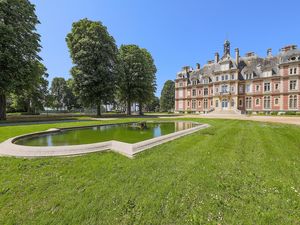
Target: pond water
pixel 130 133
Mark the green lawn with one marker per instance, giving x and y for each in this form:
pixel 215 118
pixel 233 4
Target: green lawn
pixel 235 172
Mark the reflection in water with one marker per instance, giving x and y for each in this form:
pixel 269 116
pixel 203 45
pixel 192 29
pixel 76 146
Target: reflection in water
pixel 120 132
pixel 157 131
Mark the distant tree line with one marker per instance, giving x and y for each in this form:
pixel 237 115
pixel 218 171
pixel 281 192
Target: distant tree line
pixel 102 73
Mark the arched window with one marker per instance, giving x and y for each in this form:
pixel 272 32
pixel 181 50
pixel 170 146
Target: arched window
pixel 293 101
pixel 257 101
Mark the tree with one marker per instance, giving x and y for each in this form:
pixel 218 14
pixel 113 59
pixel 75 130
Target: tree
pixel 94 53
pixel 136 81
pixel 71 99
pixel 58 91
pixel 153 105
pixel 19 47
pixel 167 98
pixel 33 97
pixel 147 82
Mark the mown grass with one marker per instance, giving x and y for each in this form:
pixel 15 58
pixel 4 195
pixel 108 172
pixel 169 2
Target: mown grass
pixel 235 172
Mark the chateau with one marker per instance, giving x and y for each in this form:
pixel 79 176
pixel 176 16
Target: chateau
pixel 241 84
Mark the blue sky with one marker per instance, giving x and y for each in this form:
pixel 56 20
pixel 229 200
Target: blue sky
pixel 176 32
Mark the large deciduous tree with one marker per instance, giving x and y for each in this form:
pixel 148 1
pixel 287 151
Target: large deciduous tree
pixel 33 98
pixel 94 53
pixel 167 98
pixel 58 91
pixel 19 47
pixel 136 80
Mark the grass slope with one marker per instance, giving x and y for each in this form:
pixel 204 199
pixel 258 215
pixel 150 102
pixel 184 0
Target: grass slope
pixel 235 172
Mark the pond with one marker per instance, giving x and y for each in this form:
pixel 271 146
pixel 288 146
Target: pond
pixel 129 133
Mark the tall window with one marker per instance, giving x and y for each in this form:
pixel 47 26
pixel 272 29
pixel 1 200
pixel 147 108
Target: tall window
pixel 257 101
pixel 205 103
pixel 226 77
pixel 193 104
pixel 276 101
pixel 257 88
pixel 293 101
pixel 267 102
pixel 224 88
pixel 293 84
pixel 180 84
pixel 293 70
pixel 241 89
pixel 205 91
pixel 217 78
pixel 276 86
pixel 217 103
pixel 248 87
pixel 194 92
pixel 267 87
pixel 232 76
pixel 248 102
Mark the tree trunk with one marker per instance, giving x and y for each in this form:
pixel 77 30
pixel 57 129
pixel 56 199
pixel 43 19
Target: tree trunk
pixel 128 108
pixel 140 109
pixel 2 107
pixel 99 110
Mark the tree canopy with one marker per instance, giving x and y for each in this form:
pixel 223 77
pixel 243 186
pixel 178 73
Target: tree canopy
pixel 94 54
pixel 19 47
pixel 167 99
pixel 136 80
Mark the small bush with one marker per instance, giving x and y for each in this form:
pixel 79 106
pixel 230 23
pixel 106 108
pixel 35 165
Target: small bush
pixel 290 113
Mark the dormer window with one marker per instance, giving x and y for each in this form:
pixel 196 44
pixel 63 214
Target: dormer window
pixel 205 81
pixel 194 82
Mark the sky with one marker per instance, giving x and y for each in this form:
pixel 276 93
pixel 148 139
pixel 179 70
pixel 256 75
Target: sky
pixel 176 32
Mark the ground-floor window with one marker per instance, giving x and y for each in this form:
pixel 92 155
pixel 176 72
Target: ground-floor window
pixel 205 104
pixel 224 103
pixel 276 101
pixel 293 101
pixel 267 102
pixel 248 102
pixel 232 103
pixel 217 103
pixel 241 102
pixel 199 103
pixel 193 104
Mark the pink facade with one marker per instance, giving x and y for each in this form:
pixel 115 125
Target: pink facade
pixel 244 84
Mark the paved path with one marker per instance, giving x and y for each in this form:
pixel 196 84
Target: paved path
pixel 274 119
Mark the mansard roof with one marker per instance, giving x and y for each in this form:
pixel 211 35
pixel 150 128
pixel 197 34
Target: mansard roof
pixel 250 63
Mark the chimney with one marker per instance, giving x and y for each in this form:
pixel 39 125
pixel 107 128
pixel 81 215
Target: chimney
pixel 237 56
pixel 186 69
pixel 216 57
pixel 197 66
pixel 269 52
